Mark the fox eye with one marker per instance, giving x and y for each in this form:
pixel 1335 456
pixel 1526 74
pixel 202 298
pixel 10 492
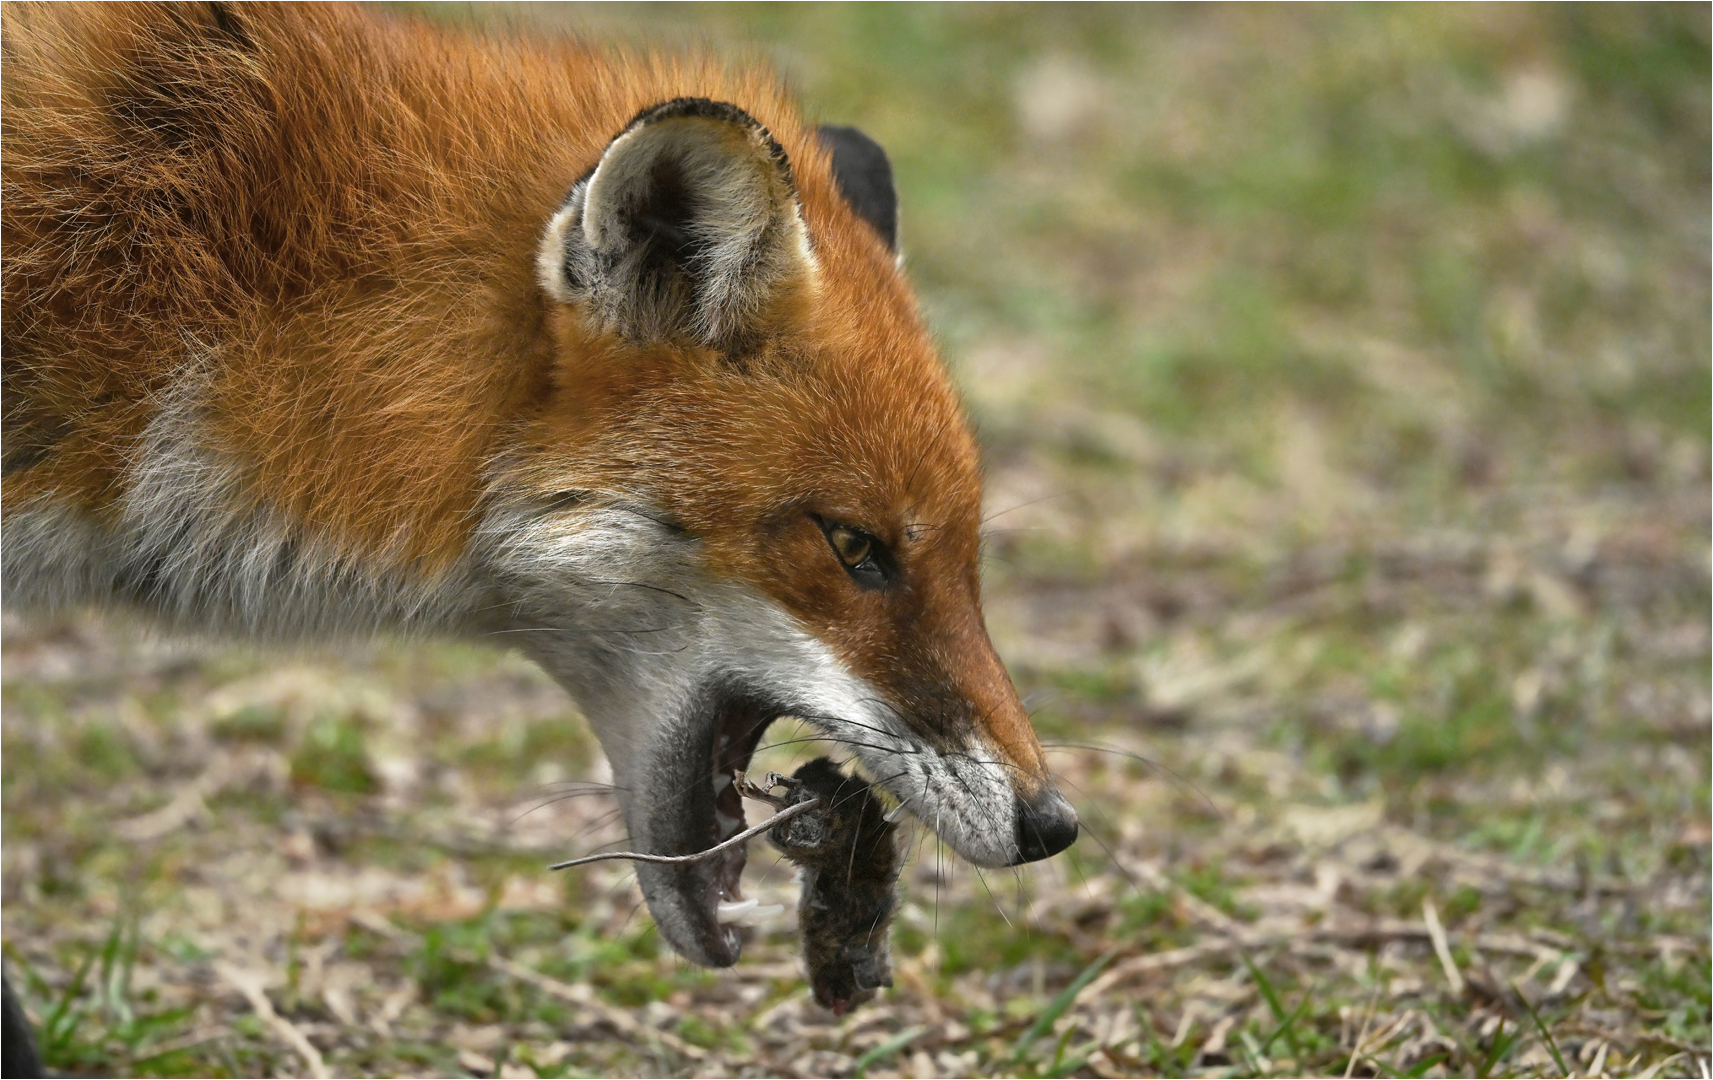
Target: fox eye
pixel 862 555
pixel 853 547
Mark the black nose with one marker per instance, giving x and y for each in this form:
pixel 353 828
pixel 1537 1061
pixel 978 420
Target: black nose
pixel 1045 826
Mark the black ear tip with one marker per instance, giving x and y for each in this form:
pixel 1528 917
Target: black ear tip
pixel 708 109
pixel 842 136
pixel 864 176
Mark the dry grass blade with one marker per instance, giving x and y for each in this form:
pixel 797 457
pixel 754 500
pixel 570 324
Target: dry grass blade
pixel 1361 1042
pixel 1436 932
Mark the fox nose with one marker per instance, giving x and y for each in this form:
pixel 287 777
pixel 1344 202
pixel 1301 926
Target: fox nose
pixel 1046 826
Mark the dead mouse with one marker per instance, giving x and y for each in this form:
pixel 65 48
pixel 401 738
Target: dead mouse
pixel 849 862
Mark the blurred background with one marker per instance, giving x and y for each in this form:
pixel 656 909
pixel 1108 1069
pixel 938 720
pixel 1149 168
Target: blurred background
pixel 1343 379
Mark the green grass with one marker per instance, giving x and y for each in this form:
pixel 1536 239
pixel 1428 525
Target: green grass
pixel 332 757
pixel 98 1022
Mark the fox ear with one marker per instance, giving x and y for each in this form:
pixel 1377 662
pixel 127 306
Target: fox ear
pixel 864 177
pixel 687 231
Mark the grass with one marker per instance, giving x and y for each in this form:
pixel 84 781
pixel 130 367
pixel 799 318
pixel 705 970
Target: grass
pixel 97 1022
pixel 1342 375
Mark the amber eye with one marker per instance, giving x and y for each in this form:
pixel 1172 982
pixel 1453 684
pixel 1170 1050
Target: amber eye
pixel 864 557
pixel 852 547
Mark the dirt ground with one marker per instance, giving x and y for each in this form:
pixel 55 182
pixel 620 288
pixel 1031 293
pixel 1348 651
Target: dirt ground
pixel 1343 379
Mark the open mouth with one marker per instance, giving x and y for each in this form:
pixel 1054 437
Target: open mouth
pixel 736 737
pixel 696 805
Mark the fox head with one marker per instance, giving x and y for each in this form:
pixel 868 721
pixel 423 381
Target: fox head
pixel 753 495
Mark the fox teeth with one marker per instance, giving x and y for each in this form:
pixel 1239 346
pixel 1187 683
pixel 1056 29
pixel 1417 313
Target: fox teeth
pixel 732 909
pixel 747 912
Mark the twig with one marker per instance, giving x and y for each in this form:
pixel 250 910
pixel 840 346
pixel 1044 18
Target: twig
pixel 249 984
pixel 582 995
pixel 1436 932
pixel 784 815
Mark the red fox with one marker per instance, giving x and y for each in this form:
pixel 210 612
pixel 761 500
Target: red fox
pixel 321 322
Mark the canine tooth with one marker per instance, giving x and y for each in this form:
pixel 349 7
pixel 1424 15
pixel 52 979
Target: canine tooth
pixel 896 812
pixel 732 909
pixel 748 913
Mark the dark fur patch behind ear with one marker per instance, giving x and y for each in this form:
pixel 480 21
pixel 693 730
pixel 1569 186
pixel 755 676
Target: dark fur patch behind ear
pixel 864 176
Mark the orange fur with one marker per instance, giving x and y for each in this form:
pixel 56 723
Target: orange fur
pixel 343 208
